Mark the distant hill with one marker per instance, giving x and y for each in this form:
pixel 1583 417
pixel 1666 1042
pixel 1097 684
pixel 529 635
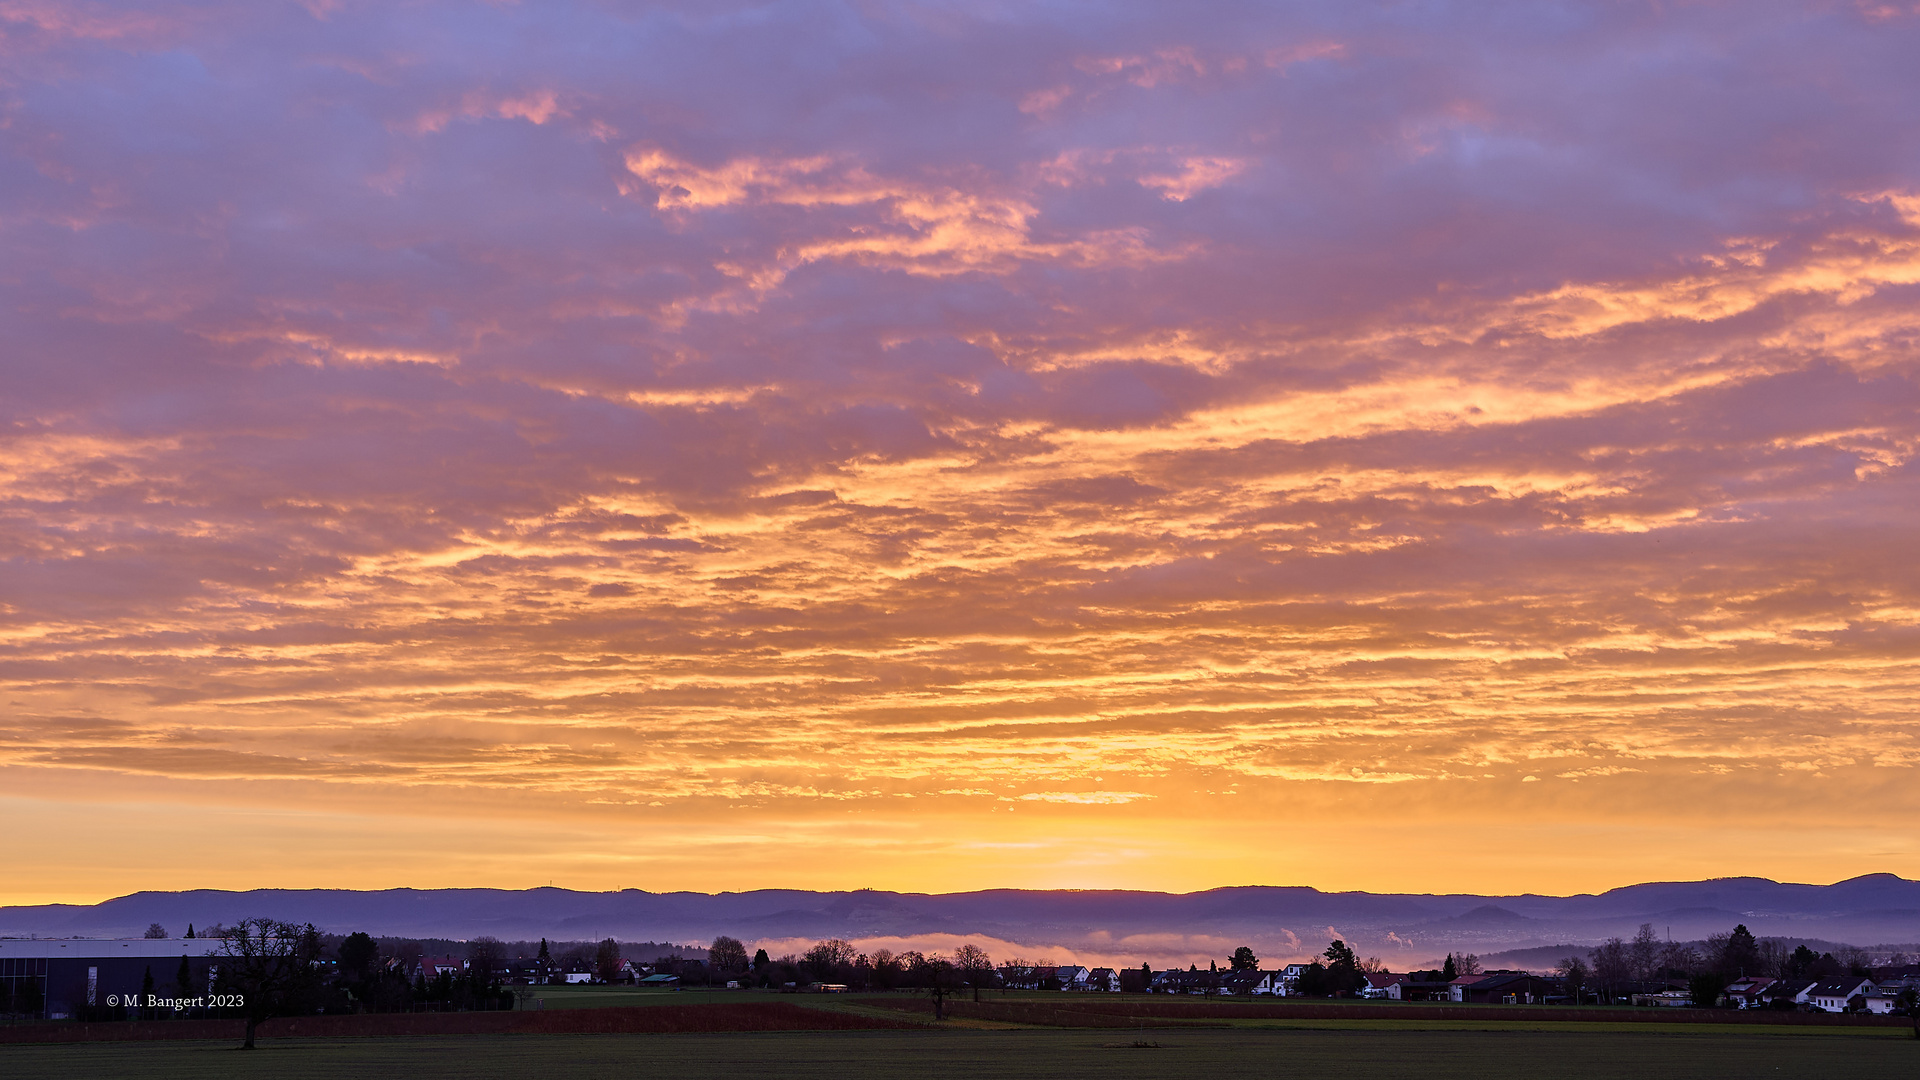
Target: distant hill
pixel 1279 922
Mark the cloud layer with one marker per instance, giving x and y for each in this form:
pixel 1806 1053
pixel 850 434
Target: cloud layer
pixel 864 427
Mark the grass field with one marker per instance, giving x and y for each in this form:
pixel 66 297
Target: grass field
pixel 1327 1052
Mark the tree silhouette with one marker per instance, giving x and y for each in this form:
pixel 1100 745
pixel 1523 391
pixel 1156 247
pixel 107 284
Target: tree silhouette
pixel 939 977
pixel 1741 953
pixel 270 965
pixel 1244 960
pixel 358 954
pixel 727 954
pixel 1574 971
pixel 1343 969
pixel 973 965
pixel 606 960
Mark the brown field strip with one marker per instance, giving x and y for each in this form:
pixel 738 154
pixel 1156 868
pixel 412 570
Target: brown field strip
pixel 1134 1012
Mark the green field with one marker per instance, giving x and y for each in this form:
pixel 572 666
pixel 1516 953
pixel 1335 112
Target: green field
pixel 1327 1051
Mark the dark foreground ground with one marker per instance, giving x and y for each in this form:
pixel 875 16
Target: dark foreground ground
pixel 1323 1053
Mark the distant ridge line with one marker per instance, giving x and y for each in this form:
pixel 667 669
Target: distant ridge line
pixel 1276 920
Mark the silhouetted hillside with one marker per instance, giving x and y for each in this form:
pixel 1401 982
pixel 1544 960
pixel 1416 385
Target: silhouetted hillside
pixel 1278 921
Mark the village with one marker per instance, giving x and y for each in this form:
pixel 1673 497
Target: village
pixel 832 966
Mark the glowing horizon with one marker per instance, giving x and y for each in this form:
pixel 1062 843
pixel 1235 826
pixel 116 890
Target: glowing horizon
pixel 922 447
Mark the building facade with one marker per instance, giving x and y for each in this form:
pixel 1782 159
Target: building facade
pixel 96 978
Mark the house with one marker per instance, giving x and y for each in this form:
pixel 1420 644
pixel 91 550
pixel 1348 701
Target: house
pixel 1380 984
pixel 1289 979
pixel 524 972
pixel 1889 994
pixel 1880 1002
pixel 1171 981
pixel 1103 980
pixel 1029 977
pixel 1837 995
pixel 1240 983
pixel 1409 988
pixel 1191 981
pixel 431 967
pixel 1457 989
pixel 1786 993
pixel 1748 993
pixel 1271 983
pixel 1072 976
pixel 1509 988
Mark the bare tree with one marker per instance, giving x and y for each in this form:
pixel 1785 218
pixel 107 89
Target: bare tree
pixel 939 977
pixel 974 966
pixel 1574 971
pixel 727 954
pixel 829 958
pixel 486 958
pixel 1773 957
pixel 606 961
pixel 886 969
pixel 1612 965
pixel 1679 956
pixel 1467 964
pixel 270 966
pixel 1644 952
pixel 155 930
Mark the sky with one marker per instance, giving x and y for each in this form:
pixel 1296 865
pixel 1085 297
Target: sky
pixel 931 446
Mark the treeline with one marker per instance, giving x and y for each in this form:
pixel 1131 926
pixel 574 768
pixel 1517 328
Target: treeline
pixel 835 961
pixel 1619 967
pixel 274 968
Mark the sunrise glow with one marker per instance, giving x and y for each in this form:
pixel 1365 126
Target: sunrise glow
pixel 932 447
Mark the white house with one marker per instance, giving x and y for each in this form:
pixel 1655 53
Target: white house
pixel 1833 996
pixel 1382 985
pixel 1886 997
pixel 1273 983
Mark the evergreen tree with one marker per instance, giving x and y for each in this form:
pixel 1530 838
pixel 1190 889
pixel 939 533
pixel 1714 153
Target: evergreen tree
pixel 1313 981
pixel 358 955
pixel 1742 953
pixel 1343 969
pixel 184 979
pixel 1449 972
pixel 189 929
pixel 1801 962
pixel 146 987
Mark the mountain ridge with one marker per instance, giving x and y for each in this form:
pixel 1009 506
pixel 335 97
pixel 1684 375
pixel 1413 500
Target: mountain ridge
pixel 1277 920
